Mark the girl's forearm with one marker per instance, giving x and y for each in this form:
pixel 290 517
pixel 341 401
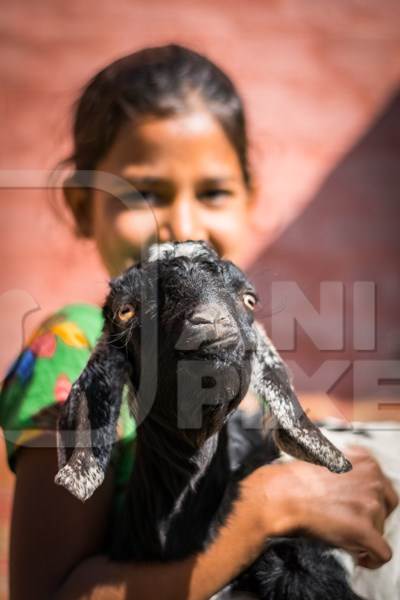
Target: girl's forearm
pixel 237 544
pixel 273 501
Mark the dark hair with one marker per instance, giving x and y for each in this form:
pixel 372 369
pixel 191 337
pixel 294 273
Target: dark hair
pixel 160 81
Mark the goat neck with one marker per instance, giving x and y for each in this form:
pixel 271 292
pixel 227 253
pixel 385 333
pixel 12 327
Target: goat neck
pixel 179 488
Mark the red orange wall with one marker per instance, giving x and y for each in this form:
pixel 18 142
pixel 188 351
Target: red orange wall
pixel 314 75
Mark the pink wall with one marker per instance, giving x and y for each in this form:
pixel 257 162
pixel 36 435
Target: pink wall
pixel 315 77
pixel 347 238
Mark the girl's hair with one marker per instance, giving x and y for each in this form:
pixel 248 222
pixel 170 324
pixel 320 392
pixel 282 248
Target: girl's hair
pixel 161 81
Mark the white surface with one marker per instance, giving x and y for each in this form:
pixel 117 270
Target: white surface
pixel 384 443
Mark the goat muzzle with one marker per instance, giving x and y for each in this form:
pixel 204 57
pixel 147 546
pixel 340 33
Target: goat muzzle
pixel 209 326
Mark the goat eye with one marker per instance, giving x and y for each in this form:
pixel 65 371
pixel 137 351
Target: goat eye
pixel 126 312
pixel 249 300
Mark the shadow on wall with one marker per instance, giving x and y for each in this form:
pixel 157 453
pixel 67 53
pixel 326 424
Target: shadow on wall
pixel 336 270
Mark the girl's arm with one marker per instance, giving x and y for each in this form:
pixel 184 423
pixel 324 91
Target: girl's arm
pixel 56 540
pixel 51 532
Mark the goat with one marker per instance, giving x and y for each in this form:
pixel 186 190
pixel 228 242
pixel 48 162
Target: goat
pixel 179 331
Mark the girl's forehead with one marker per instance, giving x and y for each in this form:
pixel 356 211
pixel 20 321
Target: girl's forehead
pixel 193 140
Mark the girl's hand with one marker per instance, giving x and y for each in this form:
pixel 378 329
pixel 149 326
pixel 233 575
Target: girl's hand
pixel 346 510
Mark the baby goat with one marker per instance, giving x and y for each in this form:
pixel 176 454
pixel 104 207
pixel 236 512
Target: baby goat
pixel 179 330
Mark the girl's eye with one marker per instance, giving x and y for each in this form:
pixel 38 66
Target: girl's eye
pixel 126 312
pixel 142 197
pixel 214 196
pixel 249 300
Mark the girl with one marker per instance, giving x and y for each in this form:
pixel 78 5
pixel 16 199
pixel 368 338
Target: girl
pixel 170 124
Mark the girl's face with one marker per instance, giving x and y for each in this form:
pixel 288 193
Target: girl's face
pixel 185 183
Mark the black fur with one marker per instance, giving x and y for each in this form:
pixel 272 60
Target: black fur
pixel 294 568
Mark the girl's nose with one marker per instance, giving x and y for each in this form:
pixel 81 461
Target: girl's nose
pixel 183 221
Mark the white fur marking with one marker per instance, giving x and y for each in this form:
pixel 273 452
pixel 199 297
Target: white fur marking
pixel 170 250
pixel 81 476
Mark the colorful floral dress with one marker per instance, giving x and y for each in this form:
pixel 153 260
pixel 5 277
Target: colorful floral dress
pixel 40 379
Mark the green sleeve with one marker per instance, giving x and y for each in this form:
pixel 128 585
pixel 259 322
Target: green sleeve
pixel 41 377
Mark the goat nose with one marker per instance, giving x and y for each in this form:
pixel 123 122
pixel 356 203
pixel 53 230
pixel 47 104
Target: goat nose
pixel 209 314
pixel 209 324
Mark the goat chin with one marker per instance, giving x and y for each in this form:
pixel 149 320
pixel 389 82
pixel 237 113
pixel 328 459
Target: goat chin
pixel 382 439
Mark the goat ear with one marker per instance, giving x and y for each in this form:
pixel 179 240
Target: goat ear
pixel 88 420
pixel 294 432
